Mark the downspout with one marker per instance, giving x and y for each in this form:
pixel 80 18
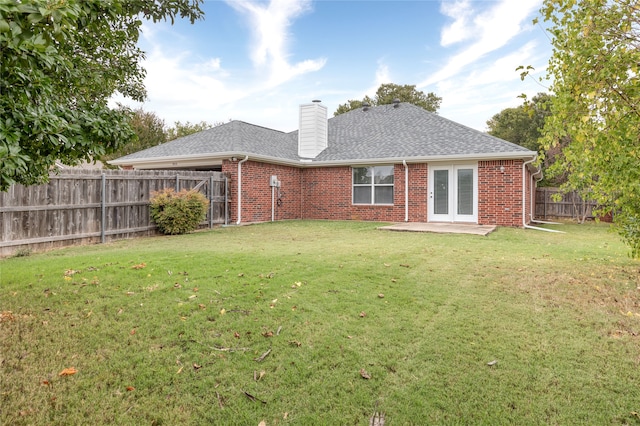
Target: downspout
pixel 524 199
pixel 240 189
pixel 531 218
pixel 406 190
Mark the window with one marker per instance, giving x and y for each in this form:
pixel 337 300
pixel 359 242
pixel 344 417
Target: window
pixel 373 185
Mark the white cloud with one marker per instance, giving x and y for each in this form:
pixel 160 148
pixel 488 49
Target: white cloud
pixel 491 30
pixel 270 26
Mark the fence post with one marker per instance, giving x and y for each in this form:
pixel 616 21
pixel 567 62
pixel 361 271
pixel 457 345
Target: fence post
pixel 177 183
pixel 210 201
pixel 103 208
pixel 226 200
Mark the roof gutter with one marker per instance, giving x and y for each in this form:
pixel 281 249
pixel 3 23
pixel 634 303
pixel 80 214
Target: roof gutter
pixel 524 198
pixel 240 189
pixel 406 190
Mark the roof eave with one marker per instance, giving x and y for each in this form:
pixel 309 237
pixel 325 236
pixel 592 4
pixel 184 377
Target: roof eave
pixel 424 159
pixel 194 160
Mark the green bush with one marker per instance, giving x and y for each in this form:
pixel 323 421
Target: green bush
pixel 178 212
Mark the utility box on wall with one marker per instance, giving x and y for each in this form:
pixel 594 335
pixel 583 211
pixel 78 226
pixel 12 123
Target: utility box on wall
pixel 274 182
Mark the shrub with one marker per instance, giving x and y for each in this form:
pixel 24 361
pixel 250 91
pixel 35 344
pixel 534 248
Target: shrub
pixel 178 212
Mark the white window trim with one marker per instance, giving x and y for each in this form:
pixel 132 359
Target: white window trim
pixel 373 186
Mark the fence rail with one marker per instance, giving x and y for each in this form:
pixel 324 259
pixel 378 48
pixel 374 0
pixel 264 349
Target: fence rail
pixel 570 205
pixel 88 206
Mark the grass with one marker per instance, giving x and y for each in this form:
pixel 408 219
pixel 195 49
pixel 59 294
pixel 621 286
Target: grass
pixel 167 330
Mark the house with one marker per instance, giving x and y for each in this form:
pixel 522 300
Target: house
pixel 389 163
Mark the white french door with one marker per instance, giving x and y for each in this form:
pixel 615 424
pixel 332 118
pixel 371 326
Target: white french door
pixel 453 193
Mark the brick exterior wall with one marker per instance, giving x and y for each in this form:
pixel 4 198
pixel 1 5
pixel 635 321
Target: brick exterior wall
pixel 500 193
pixel 326 193
pixel 256 192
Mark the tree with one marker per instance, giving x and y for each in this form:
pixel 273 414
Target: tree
pixel 149 130
pixel 388 93
pixel 61 62
pixel 596 104
pixel 180 129
pixel 522 125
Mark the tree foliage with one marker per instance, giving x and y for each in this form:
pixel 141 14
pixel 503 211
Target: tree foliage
pixel 61 62
pixel 523 124
pixel 149 130
pixel 180 129
pixel 387 93
pixel 596 104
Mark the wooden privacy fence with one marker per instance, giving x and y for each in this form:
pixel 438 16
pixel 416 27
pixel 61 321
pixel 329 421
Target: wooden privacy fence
pixel 570 205
pixel 88 206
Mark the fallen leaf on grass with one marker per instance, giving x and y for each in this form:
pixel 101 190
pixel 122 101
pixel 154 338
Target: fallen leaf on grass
pixel 68 372
pixel 202 306
pixel 45 383
pixel 262 423
pixel 363 314
pixel 179 370
pixel 130 388
pixel 295 343
pixel 364 374
pixel 6 316
pixel 196 366
pixel 139 266
pixel 193 296
pixel 257 376
pixel 492 363
pixel 223 311
pixel 268 334
pixel 381 295
pixel 236 335
pixel 405 265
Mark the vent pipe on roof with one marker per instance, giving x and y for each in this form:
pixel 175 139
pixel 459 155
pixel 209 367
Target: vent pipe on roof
pixel 365 106
pixel 396 103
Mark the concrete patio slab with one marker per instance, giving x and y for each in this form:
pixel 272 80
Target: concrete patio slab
pixel 441 228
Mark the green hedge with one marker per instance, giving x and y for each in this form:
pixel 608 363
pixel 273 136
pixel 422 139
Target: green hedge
pixel 178 212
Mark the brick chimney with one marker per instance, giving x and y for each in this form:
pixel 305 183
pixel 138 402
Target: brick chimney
pixel 312 133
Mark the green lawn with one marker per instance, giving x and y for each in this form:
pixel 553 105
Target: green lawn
pixel 171 330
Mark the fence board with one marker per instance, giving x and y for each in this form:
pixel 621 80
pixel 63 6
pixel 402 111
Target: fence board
pixel 570 205
pixel 68 210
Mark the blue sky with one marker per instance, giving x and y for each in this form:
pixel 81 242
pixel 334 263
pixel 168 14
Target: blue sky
pixel 257 61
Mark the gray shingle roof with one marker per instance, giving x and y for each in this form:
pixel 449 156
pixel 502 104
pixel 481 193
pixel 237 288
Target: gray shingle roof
pixel 386 131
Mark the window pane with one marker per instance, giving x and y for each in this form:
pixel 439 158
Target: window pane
pixel 361 195
pixel 465 191
pixel 441 191
pixel 383 174
pixel 362 175
pixel 384 195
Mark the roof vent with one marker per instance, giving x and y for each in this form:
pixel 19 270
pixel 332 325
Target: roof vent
pixel 365 106
pixel 316 101
pixel 396 103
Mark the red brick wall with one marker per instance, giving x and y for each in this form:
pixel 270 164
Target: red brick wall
pixel 500 193
pixel 326 193
pixel 256 192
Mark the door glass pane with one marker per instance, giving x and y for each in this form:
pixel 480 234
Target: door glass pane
pixel 384 194
pixel 465 191
pixel 441 191
pixel 362 195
